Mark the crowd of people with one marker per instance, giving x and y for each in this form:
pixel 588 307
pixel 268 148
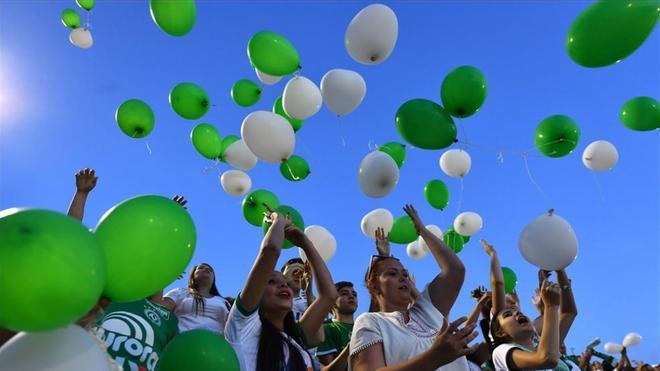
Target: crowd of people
pixel 276 322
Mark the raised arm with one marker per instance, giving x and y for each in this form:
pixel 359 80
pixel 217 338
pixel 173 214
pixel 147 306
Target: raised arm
pixel 547 353
pixel 476 311
pixel 271 247
pixel 445 287
pixel 568 309
pixel 496 278
pixel 85 182
pixel 312 319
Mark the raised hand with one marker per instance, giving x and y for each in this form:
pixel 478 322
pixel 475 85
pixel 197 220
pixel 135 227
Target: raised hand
pixel 452 342
pixel 382 242
pixel 294 234
pixel 543 275
pixel 550 293
pixel 307 277
pixel 412 213
pixel 181 201
pixel 488 248
pixel 86 180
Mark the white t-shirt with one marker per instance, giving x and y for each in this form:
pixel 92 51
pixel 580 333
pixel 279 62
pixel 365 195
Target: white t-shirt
pixel 213 317
pixel 299 306
pixel 402 341
pixel 242 331
pixel 502 351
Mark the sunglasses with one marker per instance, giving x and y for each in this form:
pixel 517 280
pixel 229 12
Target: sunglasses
pixel 373 260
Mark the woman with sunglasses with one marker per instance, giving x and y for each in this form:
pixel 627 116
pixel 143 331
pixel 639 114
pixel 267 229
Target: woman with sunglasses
pixel 396 335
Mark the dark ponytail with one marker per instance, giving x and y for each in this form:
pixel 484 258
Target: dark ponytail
pixel 270 354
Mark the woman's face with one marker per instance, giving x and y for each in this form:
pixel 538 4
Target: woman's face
pixel 204 274
pixel 515 324
pixel 278 296
pixel 393 283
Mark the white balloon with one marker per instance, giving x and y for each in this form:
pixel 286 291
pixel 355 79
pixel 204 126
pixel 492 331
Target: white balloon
pixel 613 348
pixel 415 251
pixel 548 242
pixel 374 219
pixel 600 155
pixel 301 98
pixel 372 34
pixel 468 223
pixel 378 174
pixel 269 136
pixel 81 37
pixel 323 240
pixel 66 349
pixel 632 339
pixel 342 90
pixel 239 156
pixel 235 182
pixel 456 163
pixel 267 79
pixel 435 230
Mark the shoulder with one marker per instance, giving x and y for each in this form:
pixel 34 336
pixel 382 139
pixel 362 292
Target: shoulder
pixel 502 355
pixel 176 294
pixel 368 319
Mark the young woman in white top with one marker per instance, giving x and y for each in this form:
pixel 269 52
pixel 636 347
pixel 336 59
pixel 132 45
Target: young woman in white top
pixel 398 336
pixel 261 327
pixel 200 305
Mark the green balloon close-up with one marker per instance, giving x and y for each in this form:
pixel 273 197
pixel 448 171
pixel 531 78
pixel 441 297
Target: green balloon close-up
pixel 52 270
pixel 189 101
pixel 641 114
pixel 609 31
pixel 148 241
pixel 279 109
pixel 296 219
pixel 175 18
pixel 70 18
pixel 425 124
pixel 245 93
pixel 403 230
pixel 396 150
pixel 466 239
pixel 273 54
pixel 206 140
pixel 437 194
pixel 85 4
pixel 510 279
pixel 226 142
pixel 135 118
pixel 454 240
pixel 463 91
pixel 295 168
pixel 557 136
pixel 199 350
pixel 253 206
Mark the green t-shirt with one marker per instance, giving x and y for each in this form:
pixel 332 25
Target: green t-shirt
pixel 337 336
pixel 136 333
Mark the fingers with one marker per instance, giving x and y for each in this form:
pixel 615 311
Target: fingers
pixel 470 350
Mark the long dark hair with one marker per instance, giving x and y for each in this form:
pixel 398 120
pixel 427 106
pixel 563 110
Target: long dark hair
pixel 496 331
pixel 193 289
pixel 270 356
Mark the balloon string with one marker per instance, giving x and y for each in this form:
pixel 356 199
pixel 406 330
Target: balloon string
pixel 531 179
pixel 460 198
pixel 341 133
pixel 598 187
pixel 290 171
pixel 460 123
pixel 214 165
pixel 146 142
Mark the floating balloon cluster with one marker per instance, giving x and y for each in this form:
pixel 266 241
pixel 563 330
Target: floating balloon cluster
pixel 80 35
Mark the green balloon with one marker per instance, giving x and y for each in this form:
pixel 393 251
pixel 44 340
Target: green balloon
pixel 273 54
pixel 437 194
pixel 403 230
pixel 396 150
pixel 245 92
pixel 296 219
pixel 454 240
pixel 295 169
pixel 463 91
pixel 557 136
pixel 52 270
pixel 85 4
pixel 148 241
pixel 425 124
pixel 279 109
pixel 609 31
pixel 200 350
pixel 135 118
pixel 176 18
pixel 226 142
pixel 206 140
pixel 189 101
pixel 253 206
pixel 510 279
pixel 641 114
pixel 70 18
pixel 466 239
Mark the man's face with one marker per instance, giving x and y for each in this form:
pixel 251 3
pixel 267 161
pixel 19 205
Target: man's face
pixel 346 302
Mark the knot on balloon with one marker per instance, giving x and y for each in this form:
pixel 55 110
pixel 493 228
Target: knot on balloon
pixel 455 141
pixel 374 57
pixel 551 211
pixel 205 103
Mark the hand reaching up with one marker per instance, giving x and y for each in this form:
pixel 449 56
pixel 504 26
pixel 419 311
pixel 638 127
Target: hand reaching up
pixel 382 242
pixel 412 213
pixel 86 180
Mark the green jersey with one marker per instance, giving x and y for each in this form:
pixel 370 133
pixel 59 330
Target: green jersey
pixel 136 333
pixel 337 336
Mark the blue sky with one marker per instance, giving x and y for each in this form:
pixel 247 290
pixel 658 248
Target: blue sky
pixel 57 105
